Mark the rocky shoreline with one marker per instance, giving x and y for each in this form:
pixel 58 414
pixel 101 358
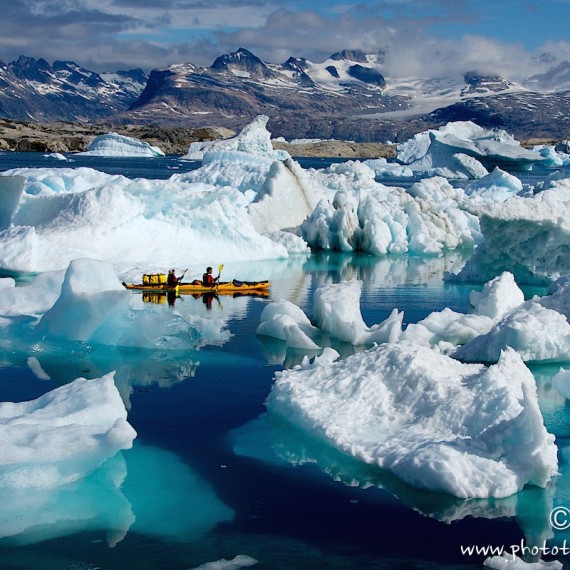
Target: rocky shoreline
pixel 76 137
pixel 73 137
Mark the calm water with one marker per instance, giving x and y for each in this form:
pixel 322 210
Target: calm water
pixel 211 476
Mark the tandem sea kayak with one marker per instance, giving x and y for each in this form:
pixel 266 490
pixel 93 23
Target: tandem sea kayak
pixel 223 288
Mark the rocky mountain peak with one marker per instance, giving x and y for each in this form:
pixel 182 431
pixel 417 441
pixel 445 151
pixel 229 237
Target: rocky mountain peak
pixel 242 61
pixel 480 83
pixel 355 55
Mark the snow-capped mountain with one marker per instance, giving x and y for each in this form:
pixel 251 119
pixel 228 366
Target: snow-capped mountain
pixel 33 90
pixel 304 98
pixel 348 96
pixel 238 86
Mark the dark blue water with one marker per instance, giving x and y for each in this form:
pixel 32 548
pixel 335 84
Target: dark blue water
pixel 210 476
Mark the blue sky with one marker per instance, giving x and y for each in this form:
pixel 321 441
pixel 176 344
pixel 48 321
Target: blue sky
pixel 417 37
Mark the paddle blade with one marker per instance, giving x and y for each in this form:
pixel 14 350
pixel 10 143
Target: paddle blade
pixel 220 267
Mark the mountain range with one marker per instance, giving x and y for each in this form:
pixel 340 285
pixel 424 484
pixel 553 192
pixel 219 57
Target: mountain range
pixel 33 90
pixel 345 97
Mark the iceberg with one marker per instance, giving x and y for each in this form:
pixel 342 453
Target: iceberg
pixel 275 442
pixel 336 314
pixel 113 144
pixel 526 235
pixel 285 321
pixel 445 330
pixel 427 219
pixel 63 435
pixel 65 214
pixel 497 186
pixel 87 304
pixel 336 310
pixel 254 139
pixel 432 421
pixel 538 330
pixel 458 149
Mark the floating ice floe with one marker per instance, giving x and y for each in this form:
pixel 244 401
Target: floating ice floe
pixel 113 144
pixel 445 330
pixel 538 330
pixel 63 435
pixel 432 421
pixel 56 155
pixel 457 150
pixel 526 235
pixel 336 313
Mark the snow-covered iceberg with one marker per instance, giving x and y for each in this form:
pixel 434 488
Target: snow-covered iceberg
pixel 526 235
pixel 367 216
pixel 254 138
pixel 63 435
pixel 113 144
pixel 457 150
pixel 462 429
pixel 539 330
pixel 64 214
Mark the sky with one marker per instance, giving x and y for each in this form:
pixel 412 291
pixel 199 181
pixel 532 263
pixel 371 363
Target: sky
pixel 514 38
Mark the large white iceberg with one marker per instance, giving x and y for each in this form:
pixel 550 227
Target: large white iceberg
pixel 63 435
pixel 538 330
pixel 254 138
pixel 424 219
pixel 462 429
pixel 456 150
pixel 113 144
pixel 65 214
pixel 526 235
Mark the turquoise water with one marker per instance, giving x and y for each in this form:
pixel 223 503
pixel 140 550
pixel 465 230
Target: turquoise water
pixel 211 475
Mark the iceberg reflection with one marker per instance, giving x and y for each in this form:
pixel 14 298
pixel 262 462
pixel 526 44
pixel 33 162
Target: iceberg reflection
pixel 273 441
pixel 146 490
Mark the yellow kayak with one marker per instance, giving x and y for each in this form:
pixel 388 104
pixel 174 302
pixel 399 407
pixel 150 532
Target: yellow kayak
pixel 223 288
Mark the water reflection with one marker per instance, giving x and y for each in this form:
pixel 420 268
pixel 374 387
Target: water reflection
pixel 272 440
pixel 146 490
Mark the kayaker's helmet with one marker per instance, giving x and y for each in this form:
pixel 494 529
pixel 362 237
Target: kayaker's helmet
pixel 208 269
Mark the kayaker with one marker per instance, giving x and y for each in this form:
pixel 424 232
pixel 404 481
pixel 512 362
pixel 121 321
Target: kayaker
pixel 208 280
pixel 172 280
